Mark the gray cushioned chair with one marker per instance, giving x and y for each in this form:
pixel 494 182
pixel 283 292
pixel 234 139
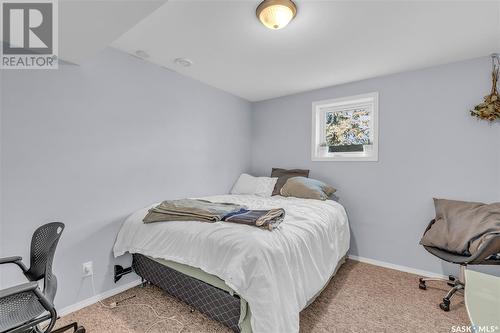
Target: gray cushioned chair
pixel 24 307
pixel 487 254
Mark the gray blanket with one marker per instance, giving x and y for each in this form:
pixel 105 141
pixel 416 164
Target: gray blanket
pixel 267 219
pixel 462 227
pixel 190 210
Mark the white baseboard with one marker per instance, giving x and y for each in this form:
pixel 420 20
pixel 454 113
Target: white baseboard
pixel 94 299
pixel 397 267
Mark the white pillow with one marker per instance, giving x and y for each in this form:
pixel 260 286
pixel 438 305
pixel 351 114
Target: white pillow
pixel 261 186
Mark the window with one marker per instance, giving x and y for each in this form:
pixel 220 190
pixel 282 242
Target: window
pixel 345 129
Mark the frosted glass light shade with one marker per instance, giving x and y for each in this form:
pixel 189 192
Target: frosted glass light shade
pixel 276 14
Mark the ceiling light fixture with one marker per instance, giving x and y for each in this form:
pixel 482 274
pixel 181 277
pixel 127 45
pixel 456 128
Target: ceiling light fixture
pixel 183 62
pixel 276 14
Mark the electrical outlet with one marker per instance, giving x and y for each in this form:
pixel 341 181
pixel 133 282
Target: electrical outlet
pixel 88 268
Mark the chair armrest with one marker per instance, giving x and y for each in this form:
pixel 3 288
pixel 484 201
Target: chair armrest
pixel 47 304
pixel 10 260
pixel 30 286
pixel 14 260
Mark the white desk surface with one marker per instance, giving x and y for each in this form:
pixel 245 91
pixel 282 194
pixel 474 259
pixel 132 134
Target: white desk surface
pixel 482 299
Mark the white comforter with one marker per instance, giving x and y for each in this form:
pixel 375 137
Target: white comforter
pixel 276 272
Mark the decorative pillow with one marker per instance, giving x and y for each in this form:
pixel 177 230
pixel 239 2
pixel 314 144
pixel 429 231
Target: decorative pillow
pixel 306 188
pixel 246 184
pixel 283 175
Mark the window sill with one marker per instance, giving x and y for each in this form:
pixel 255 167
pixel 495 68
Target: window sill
pixel 344 157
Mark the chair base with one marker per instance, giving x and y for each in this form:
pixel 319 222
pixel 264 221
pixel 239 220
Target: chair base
pixel 73 325
pixel 457 283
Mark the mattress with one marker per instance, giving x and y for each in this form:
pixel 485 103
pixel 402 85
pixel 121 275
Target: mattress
pixel 276 272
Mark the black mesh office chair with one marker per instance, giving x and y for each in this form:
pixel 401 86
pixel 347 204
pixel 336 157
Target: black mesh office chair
pixel 487 254
pixel 25 307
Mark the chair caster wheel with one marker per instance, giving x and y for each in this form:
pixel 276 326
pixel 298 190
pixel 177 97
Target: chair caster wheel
pixel 80 329
pixel 421 284
pixel 451 280
pixel 445 306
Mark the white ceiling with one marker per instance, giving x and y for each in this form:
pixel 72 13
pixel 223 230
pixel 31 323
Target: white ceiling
pixel 86 27
pixel 328 43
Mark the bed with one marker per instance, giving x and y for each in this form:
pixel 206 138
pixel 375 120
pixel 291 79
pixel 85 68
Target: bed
pixel 259 280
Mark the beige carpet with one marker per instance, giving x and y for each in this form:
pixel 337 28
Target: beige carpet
pixel 360 298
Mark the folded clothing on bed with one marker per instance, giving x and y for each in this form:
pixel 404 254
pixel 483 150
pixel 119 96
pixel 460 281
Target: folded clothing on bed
pixel 206 211
pixel 190 210
pixel 268 219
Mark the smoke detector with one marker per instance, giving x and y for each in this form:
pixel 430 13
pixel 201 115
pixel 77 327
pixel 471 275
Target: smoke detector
pixel 142 54
pixel 184 62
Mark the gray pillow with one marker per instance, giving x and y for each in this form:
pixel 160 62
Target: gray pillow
pixel 283 175
pixel 306 188
pixel 462 227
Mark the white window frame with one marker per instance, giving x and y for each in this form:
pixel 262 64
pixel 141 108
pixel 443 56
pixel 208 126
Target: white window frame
pixel 319 109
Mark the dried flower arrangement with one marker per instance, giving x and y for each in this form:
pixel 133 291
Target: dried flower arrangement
pixel 490 108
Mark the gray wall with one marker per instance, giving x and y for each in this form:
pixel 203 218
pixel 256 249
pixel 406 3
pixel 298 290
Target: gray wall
pixel 429 147
pixel 89 145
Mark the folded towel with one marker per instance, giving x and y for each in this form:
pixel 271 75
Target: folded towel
pixel 190 210
pixel 268 219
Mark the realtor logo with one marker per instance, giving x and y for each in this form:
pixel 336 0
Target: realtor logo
pixel 29 34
